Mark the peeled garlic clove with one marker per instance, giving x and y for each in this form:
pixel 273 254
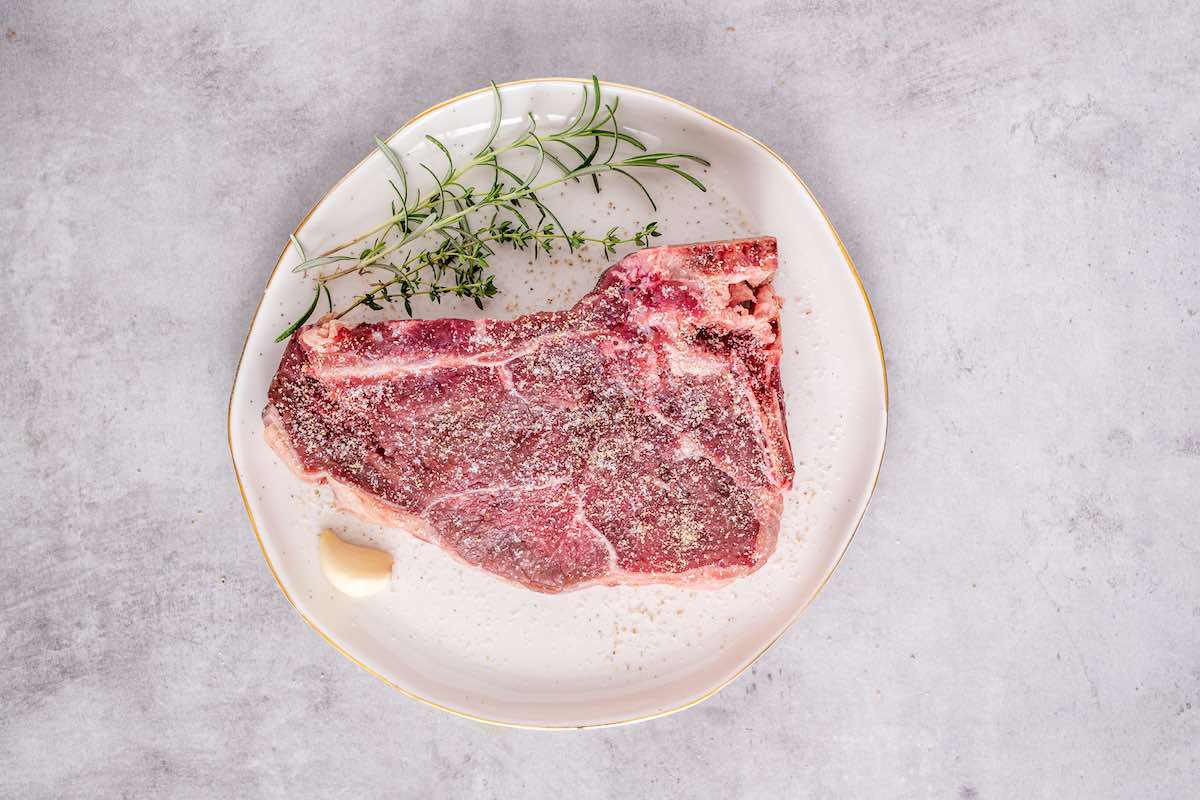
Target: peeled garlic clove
pixel 352 569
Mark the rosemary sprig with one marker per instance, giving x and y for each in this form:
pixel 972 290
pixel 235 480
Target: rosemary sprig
pixel 504 210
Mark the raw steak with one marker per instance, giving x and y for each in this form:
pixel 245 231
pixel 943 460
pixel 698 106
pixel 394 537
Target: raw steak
pixel 636 438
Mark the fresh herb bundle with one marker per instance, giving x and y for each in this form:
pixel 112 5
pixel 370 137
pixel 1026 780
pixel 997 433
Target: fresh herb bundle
pixel 439 242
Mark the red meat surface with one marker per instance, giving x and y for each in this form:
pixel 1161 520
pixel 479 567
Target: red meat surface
pixel 638 437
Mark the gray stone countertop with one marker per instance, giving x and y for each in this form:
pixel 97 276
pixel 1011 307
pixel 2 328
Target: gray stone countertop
pixel 1019 184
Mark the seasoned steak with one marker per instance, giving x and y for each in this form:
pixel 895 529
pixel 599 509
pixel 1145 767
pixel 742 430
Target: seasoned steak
pixel 638 437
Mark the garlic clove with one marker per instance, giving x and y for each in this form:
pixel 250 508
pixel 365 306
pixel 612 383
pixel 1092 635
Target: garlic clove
pixel 353 569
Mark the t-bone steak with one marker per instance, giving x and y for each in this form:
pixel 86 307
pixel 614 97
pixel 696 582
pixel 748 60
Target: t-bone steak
pixel 638 437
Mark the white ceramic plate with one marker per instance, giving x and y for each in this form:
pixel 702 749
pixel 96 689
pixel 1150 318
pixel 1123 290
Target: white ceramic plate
pixel 459 638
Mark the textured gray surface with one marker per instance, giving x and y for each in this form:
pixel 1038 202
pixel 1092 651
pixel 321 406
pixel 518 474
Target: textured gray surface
pixel 1019 615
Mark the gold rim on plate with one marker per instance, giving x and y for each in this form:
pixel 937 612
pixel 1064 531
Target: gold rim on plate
pixel 874 482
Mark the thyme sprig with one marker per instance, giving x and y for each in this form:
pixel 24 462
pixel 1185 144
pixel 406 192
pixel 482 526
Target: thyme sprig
pixel 586 147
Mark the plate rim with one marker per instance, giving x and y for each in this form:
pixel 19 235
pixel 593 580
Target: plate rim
pixel 795 616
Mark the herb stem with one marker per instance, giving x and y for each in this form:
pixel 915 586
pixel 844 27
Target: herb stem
pixel 519 217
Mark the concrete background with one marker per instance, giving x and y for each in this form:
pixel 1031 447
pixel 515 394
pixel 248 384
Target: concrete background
pixel 1019 615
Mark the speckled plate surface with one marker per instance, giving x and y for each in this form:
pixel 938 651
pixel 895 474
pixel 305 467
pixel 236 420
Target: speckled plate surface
pixel 470 643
